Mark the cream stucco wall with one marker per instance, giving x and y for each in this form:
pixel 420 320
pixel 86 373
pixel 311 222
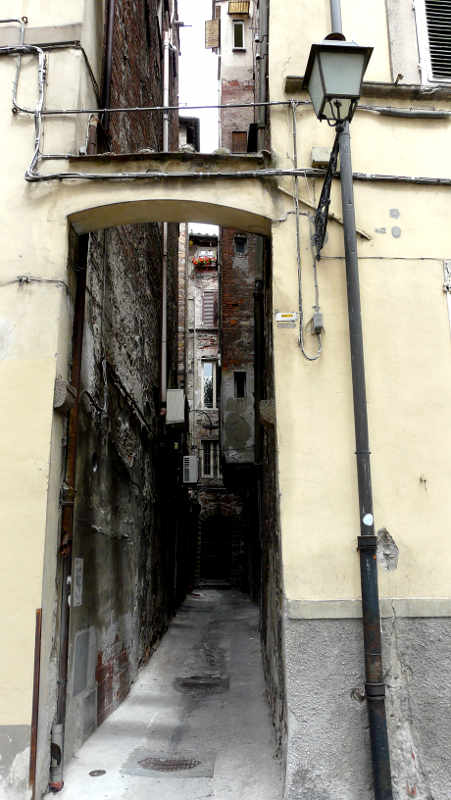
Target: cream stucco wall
pixel 35 328
pixel 407 344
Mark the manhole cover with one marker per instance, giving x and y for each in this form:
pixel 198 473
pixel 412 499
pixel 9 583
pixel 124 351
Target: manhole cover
pixel 95 773
pixel 169 764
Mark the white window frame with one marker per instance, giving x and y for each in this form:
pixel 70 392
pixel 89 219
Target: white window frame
pixel 212 445
pixel 235 24
pixel 214 363
pixel 425 65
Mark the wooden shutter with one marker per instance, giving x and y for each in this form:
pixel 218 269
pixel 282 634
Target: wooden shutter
pixel 438 17
pixel 239 7
pixel 239 142
pixel 209 309
pixel 212 33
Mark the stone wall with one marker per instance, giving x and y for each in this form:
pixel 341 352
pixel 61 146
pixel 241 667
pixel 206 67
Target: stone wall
pixel 129 502
pixel 271 597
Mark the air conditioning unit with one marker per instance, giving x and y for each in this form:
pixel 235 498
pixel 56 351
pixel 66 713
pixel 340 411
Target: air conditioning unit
pixel 190 469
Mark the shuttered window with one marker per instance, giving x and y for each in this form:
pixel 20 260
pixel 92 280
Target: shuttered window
pixel 209 309
pixel 438 20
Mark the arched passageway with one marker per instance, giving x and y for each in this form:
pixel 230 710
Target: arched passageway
pixel 135 539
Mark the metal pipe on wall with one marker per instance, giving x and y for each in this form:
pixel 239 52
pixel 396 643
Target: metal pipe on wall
pixel 367 541
pixel 164 275
pixel 262 73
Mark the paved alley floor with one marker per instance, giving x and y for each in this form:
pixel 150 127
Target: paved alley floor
pixel 196 724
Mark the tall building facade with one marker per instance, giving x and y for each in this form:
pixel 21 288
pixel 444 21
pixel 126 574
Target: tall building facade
pixel 56 189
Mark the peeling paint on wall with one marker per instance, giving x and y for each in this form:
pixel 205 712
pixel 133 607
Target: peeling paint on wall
pixel 387 550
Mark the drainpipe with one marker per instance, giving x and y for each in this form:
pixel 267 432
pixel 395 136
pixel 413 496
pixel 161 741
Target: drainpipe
pixel 262 73
pixel 164 277
pixel 367 541
pixel 107 71
pixel 56 782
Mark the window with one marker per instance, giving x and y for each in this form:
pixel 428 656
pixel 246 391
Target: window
pixel 434 39
pixel 208 399
pixel 240 245
pixel 239 142
pixel 210 309
pixel 239 384
pixel 238 34
pixel 210 458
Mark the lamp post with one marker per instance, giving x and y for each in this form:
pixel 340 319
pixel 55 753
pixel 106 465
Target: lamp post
pixel 333 79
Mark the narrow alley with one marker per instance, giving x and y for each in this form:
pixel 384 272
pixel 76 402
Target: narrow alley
pixel 196 724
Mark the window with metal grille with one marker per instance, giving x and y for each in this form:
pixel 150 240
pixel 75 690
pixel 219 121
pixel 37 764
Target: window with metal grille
pixel 438 22
pixel 239 142
pixel 210 458
pixel 210 309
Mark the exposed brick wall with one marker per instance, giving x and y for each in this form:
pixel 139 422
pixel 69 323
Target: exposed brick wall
pixel 182 304
pixel 235 119
pixel 238 283
pixel 137 76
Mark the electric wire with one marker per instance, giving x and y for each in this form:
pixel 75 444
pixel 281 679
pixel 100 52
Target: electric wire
pixel 298 251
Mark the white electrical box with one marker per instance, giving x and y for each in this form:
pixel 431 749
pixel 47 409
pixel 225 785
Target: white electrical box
pixel 286 319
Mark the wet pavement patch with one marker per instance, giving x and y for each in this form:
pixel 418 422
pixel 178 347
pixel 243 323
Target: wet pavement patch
pixel 172 764
pixel 203 684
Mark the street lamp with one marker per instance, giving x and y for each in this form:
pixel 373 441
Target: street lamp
pixel 333 77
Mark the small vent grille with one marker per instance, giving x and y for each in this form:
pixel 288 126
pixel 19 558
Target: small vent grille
pixel 190 469
pixel 438 16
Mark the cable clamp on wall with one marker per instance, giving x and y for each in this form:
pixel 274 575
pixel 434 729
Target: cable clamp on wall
pixel 367 543
pixel 374 691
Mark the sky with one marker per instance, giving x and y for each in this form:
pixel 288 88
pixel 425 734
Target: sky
pixel 198 83
pixel 198 70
